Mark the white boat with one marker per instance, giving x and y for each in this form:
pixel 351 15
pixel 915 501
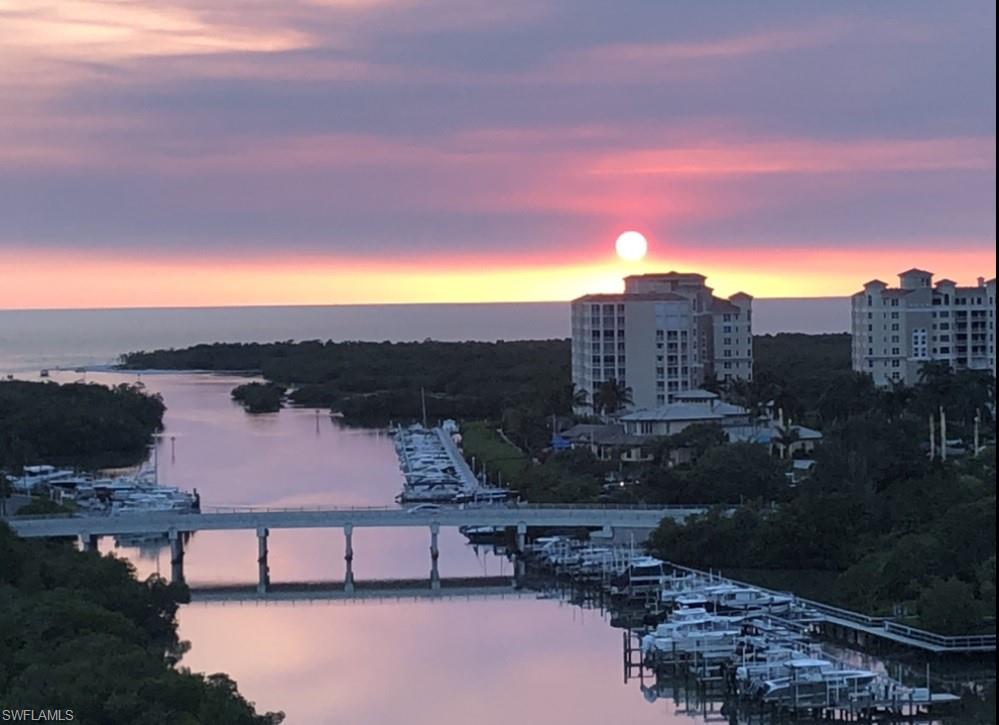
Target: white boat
pixel 35 477
pixel 693 630
pixel 816 683
pixel 736 598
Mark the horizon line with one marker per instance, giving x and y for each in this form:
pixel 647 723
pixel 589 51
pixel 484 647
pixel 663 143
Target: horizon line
pixel 114 308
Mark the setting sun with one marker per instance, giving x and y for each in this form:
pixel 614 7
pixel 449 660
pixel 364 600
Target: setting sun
pixel 631 246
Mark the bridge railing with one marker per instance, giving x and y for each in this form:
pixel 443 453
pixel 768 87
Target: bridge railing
pixel 956 642
pixel 250 509
pixel 865 620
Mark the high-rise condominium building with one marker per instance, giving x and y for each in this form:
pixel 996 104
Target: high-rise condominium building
pixel 665 334
pixel 896 330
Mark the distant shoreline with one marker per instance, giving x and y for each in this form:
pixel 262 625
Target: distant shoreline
pixel 359 305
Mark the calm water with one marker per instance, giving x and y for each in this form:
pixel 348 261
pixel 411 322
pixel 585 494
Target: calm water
pixel 32 339
pixel 485 661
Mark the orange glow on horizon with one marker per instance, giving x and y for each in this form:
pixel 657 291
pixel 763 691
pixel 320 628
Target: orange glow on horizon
pixel 73 280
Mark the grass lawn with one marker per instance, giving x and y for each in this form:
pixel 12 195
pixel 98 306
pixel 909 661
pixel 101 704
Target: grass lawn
pixel 480 439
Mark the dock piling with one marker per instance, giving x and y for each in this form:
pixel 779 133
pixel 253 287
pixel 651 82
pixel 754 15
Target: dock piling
pixel 88 542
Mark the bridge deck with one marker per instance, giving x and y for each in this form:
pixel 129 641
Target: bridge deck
pixel 234 519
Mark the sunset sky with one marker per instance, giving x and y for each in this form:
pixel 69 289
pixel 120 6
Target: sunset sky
pixel 335 151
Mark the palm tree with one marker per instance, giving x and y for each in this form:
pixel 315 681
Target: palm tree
pixel 611 396
pixel 712 384
pixel 786 437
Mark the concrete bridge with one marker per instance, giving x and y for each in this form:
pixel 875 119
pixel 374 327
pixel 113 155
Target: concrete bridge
pixel 175 525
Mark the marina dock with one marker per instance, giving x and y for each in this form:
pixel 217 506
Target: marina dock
pixel 768 650
pixel 434 469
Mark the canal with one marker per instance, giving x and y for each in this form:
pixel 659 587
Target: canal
pixel 527 659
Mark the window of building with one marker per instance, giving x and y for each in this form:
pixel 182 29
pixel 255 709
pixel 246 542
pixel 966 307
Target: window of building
pixel 919 343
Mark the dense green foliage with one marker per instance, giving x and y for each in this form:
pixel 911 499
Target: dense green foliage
pixel 259 397
pixel 894 527
pixel 380 381
pixel 795 371
pixel 79 632
pixel 86 425
pixel 898 528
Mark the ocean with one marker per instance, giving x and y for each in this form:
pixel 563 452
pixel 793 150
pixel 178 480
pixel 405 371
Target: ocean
pixel 33 339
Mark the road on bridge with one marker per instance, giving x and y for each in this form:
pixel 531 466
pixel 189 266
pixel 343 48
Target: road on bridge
pixel 598 517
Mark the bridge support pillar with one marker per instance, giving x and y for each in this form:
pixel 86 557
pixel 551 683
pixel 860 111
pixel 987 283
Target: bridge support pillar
pixel 88 542
pixel 521 544
pixel 348 557
pixel 263 570
pixel 176 557
pixel 435 577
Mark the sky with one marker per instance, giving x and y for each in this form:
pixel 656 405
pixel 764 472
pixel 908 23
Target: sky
pixel 231 152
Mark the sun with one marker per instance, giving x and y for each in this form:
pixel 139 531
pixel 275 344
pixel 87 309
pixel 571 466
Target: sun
pixel 631 246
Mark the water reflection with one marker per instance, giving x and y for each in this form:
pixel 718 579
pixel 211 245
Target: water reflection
pixel 485 660
pixel 546 657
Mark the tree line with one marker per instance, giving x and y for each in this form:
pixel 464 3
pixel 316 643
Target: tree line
pixel 79 632
pixel 79 424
